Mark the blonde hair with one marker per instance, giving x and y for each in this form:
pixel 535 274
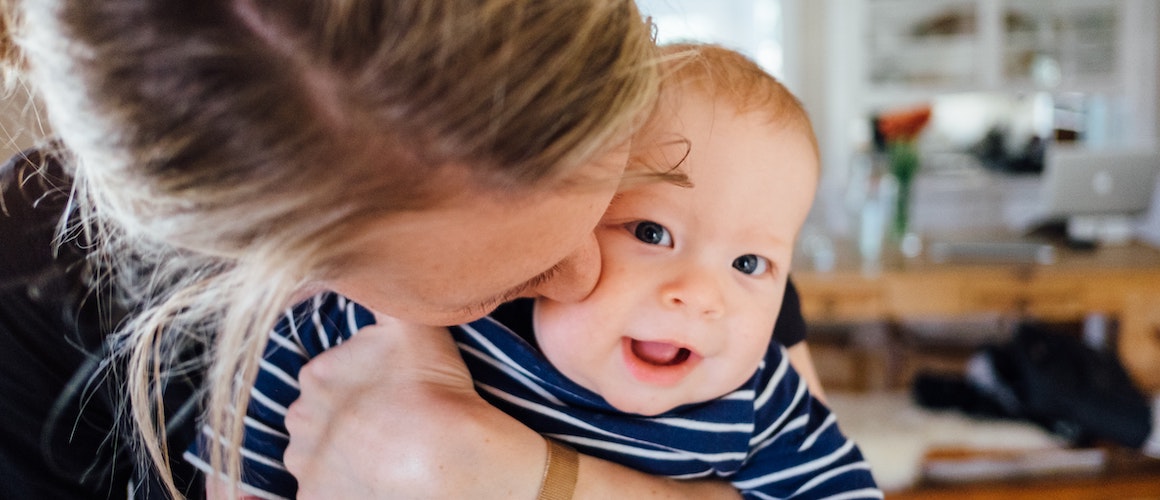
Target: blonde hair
pixel 735 79
pixel 225 151
pixel 728 77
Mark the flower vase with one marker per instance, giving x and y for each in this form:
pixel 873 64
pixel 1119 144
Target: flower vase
pixel 904 166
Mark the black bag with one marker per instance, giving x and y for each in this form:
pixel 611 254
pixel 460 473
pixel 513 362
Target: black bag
pixel 1052 379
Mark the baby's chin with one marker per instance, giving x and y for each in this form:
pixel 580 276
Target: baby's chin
pixel 644 410
pixel 657 404
pixel 647 408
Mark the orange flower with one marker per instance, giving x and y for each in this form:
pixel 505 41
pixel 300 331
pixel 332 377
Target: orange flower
pixel 903 125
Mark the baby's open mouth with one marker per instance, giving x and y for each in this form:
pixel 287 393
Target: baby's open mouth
pixel 659 353
pixel 661 364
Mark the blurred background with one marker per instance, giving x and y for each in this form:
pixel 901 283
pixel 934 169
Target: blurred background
pixel 982 291
pixel 1027 231
pixel 1004 78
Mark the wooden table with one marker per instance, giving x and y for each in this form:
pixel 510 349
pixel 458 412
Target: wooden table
pixel 1122 282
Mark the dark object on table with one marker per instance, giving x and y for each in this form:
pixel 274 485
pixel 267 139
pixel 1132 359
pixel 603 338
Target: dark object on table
pixel 1052 379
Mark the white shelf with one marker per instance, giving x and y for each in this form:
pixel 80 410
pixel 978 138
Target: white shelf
pixel 882 55
pixel 919 47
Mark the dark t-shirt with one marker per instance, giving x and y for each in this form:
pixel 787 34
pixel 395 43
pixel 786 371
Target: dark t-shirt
pixel 791 326
pixel 58 437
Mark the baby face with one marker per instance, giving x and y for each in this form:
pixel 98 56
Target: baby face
pixel 692 277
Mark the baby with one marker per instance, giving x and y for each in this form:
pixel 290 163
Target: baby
pixel 668 366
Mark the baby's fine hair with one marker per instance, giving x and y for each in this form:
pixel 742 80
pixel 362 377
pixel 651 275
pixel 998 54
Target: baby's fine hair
pixel 733 78
pixel 227 152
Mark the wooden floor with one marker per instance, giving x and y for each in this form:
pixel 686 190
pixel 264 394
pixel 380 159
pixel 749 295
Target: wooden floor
pixel 1127 488
pixel 1128 477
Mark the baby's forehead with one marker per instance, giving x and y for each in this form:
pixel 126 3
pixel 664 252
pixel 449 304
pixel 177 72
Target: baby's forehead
pixel 725 77
pixel 673 131
pixel 780 110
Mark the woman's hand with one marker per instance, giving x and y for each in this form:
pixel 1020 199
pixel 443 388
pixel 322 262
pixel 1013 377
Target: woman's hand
pixel 393 413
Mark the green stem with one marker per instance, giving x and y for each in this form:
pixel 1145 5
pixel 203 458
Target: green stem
pixel 902 208
pixel 904 166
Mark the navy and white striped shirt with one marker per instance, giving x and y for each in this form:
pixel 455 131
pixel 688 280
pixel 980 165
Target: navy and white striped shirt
pixel 770 438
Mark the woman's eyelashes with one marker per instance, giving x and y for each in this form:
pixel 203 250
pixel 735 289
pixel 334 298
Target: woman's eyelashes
pixel 651 233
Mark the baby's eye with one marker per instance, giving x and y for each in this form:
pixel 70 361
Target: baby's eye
pixel 651 233
pixel 751 264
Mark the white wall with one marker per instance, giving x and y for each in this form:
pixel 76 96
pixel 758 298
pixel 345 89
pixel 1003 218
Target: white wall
pixel 1149 226
pixel 752 27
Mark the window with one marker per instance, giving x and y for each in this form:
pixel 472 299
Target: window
pixel 752 27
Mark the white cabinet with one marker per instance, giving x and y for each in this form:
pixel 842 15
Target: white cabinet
pixel 918 48
pixel 1072 45
pixel 923 45
pixel 1098 57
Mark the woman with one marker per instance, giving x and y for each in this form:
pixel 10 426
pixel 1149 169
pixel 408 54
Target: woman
pixel 232 157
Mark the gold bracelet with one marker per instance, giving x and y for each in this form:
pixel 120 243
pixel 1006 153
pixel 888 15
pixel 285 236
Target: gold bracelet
pixel 560 472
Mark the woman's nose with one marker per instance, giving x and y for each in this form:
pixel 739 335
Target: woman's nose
pixel 575 276
pixel 697 292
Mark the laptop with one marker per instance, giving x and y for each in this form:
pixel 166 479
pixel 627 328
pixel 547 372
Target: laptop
pixel 1083 182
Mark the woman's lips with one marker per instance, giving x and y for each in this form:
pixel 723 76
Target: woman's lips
pixel 658 363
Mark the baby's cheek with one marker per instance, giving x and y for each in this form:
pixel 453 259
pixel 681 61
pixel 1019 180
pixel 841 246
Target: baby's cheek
pixel 564 333
pixel 749 354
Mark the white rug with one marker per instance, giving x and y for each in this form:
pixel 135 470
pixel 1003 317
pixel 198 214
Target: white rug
pixel 894 433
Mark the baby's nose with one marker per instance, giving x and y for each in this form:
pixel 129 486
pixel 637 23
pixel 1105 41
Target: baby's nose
pixel 697 292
